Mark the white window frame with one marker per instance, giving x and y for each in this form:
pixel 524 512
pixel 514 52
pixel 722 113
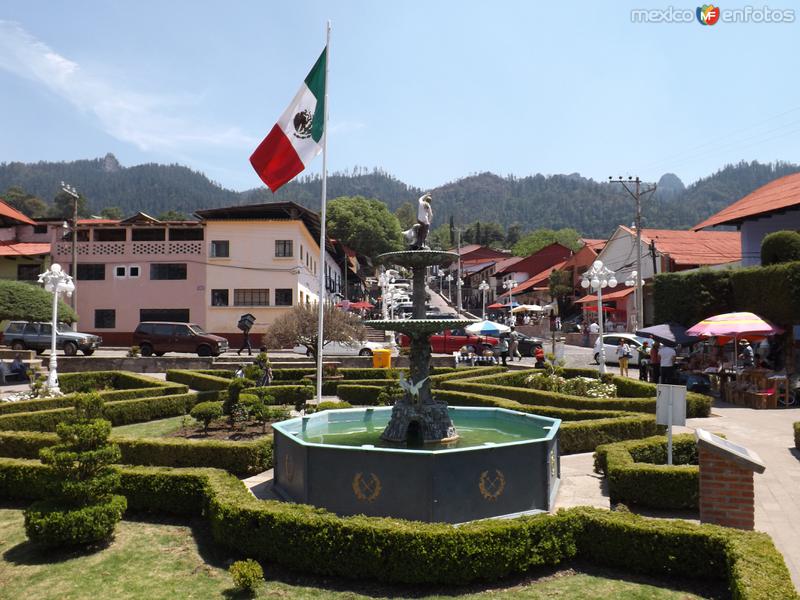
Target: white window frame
pixel 139 274
pixel 124 272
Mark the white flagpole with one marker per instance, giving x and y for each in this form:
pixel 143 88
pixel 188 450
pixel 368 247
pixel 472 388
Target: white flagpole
pixel 322 235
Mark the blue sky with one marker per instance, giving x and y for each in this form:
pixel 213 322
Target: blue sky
pixel 429 91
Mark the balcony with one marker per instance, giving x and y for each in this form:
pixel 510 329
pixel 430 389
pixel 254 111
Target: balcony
pixel 144 249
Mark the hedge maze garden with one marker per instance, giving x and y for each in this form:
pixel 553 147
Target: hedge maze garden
pixel 200 479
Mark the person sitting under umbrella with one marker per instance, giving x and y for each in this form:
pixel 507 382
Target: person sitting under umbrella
pixel 746 355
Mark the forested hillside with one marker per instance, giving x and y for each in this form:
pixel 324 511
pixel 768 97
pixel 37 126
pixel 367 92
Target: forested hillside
pixel 555 201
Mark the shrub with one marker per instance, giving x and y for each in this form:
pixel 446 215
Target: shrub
pixel 239 458
pixel 83 509
pixel 364 395
pixel 234 389
pixel 50 525
pixel 260 409
pixel 329 405
pixel 247 575
pixel 134 352
pixel 205 412
pixel 638 474
pixel 797 435
pixel 312 540
pixel 21 301
pixel 780 247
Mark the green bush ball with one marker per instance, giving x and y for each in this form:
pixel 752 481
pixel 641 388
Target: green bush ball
pixel 50 525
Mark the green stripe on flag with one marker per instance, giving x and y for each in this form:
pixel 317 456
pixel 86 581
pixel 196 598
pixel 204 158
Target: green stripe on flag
pixel 316 83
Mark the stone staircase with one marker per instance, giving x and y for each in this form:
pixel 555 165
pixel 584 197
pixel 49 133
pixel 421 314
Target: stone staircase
pixel 375 335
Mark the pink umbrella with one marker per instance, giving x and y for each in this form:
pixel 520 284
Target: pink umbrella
pixel 733 325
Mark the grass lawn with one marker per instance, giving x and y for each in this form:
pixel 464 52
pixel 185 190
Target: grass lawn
pixel 153 428
pixel 152 560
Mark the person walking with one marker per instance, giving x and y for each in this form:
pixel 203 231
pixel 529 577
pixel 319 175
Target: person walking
pixel 513 345
pixel 655 363
pixel 246 344
pixel 585 334
pixel 667 355
pixel 623 352
pixel 502 345
pixel 644 360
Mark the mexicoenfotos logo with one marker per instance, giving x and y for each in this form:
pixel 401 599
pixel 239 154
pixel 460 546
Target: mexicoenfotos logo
pixel 708 14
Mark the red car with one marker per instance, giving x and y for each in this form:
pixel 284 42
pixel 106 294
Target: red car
pixel 451 340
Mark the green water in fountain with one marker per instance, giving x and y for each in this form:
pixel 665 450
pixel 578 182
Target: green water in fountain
pixel 473 431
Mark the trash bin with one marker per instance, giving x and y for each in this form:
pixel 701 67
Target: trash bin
pixel 382 359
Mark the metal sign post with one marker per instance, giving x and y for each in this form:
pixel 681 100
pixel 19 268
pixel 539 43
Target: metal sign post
pixel 670 410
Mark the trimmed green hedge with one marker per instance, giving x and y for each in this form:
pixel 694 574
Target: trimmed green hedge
pixel 797 435
pixel 312 540
pixel 361 395
pixel 697 405
pixel 122 412
pixel 201 382
pixel 239 458
pixel 67 401
pixel 638 474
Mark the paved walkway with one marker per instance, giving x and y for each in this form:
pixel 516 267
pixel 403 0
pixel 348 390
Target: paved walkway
pixel 777 491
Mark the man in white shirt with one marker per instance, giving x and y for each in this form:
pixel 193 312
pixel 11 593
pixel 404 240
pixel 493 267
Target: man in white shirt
pixel 667 355
pixel 610 327
pixel 594 327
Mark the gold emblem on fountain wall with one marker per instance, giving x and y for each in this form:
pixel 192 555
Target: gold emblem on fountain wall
pixel 366 488
pixel 492 486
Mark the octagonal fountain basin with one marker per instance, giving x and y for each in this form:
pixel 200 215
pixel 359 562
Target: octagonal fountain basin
pixel 503 463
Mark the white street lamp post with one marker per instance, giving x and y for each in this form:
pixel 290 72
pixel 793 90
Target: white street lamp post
pixel 483 288
pixel 598 277
pixel 57 282
pixel 449 280
pixel 510 285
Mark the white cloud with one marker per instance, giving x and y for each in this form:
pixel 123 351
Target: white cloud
pixel 150 121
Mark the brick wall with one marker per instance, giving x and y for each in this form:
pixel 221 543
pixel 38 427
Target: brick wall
pixel 726 491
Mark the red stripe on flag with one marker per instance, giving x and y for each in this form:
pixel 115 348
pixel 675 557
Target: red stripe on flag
pixel 275 159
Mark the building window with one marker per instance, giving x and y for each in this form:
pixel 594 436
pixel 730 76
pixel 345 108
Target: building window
pixel 181 315
pixel 105 318
pixel 168 271
pixel 40 229
pixel 219 297
pixel 301 252
pixel 284 248
pixel 91 272
pixel 134 271
pixel 148 235
pixel 283 297
pixel 119 272
pixel 83 235
pixel 220 249
pixel 251 297
pixel 28 272
pixel 186 235
pixel 109 235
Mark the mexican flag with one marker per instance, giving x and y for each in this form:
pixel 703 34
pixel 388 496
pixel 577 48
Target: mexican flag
pixel 297 136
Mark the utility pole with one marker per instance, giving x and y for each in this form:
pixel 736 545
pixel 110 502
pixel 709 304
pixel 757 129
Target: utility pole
pixel 72 192
pixel 636 193
pixel 458 280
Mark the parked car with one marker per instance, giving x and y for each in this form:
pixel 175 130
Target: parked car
pixel 528 344
pixel 159 337
pixel 611 341
pixel 354 348
pixel 451 340
pixel 30 335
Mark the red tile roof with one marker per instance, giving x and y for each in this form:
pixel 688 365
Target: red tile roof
pixel 23 249
pixel 594 244
pixel 507 263
pixel 777 195
pixel 536 280
pixel 610 296
pixel 12 213
pixel 688 248
pixel 98 221
pixel 538 261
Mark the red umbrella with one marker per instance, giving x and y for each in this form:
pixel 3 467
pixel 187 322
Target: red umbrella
pixel 363 304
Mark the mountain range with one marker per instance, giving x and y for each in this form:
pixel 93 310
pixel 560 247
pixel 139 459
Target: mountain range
pixel 553 201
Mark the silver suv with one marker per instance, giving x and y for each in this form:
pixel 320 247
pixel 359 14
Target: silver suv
pixel 30 335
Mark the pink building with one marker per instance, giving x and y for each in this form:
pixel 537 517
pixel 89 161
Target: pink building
pixel 137 269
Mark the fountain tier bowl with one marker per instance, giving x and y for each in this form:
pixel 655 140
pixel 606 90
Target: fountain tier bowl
pixel 504 462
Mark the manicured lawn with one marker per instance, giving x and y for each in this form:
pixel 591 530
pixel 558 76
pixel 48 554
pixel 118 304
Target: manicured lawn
pixel 150 560
pixel 154 428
